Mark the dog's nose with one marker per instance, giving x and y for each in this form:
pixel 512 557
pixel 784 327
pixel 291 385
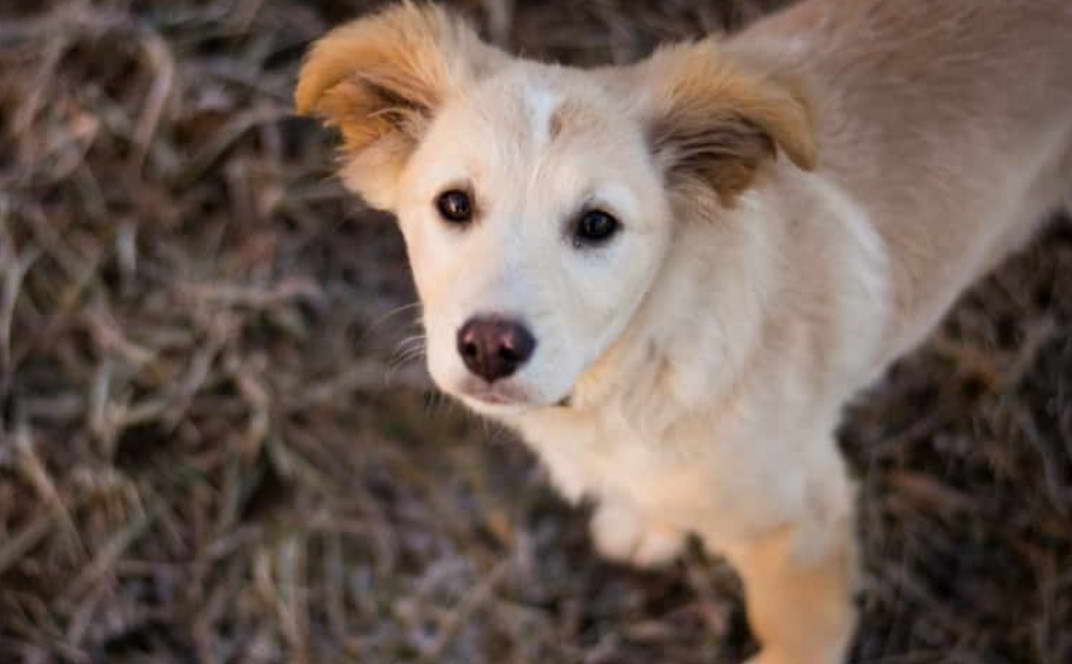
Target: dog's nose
pixel 494 348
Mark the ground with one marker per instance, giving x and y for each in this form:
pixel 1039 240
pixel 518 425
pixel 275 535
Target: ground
pixel 216 445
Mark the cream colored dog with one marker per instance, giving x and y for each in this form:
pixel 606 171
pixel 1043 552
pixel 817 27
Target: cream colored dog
pixel 620 263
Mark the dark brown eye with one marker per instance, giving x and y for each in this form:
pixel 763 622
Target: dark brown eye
pixel 595 227
pixel 455 206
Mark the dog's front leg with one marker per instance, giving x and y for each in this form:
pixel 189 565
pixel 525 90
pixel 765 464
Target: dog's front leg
pixel 622 532
pixel 799 592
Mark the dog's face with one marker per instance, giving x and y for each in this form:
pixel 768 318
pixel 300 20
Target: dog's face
pixel 537 202
pixel 535 220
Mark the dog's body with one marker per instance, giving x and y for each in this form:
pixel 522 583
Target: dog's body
pixel 688 371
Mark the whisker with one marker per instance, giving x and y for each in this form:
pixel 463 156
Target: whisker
pixel 411 340
pixel 384 318
pixel 409 349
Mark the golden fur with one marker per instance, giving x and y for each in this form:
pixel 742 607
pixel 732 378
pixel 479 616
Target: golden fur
pixel 689 373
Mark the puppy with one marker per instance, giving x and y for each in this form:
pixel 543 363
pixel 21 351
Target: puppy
pixel 670 276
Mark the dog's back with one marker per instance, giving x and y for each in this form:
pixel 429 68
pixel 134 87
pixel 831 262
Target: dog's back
pixel 942 119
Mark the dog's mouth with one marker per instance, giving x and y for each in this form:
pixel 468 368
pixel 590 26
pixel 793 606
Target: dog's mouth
pixel 505 395
pixel 494 398
pixel 495 394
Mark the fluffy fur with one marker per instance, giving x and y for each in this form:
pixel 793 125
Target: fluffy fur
pixel 799 206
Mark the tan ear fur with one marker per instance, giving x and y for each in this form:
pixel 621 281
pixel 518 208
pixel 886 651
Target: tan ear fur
pixel 713 120
pixel 381 78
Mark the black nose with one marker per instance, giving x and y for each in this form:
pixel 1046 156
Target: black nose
pixel 494 348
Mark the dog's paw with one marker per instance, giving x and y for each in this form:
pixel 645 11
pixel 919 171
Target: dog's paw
pixel 623 535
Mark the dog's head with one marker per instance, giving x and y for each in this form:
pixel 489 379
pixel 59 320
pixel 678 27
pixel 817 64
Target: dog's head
pixel 537 202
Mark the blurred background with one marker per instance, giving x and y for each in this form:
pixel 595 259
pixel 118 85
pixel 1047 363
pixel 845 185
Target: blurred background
pixel 218 443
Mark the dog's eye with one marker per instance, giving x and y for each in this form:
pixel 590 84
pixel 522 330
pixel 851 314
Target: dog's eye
pixel 455 206
pixel 595 227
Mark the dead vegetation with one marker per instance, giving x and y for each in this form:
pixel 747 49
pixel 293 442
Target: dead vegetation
pixel 212 450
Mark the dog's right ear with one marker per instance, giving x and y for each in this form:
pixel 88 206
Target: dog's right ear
pixel 380 79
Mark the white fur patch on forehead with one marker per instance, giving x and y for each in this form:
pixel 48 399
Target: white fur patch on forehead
pixel 541 105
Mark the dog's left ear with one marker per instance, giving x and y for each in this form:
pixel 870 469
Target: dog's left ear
pixel 381 79
pixel 714 121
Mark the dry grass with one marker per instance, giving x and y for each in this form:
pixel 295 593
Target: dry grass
pixel 211 449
